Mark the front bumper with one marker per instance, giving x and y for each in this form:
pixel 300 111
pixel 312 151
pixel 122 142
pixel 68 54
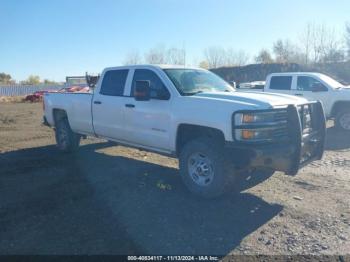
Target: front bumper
pixel 301 148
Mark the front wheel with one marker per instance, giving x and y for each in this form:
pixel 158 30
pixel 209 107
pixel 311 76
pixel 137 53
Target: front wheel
pixel 204 168
pixel 342 120
pixel 66 139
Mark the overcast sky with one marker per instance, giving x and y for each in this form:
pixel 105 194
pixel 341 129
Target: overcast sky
pixel 56 38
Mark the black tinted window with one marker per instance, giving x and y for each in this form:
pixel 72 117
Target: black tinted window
pixel 114 82
pixel 158 90
pixel 306 83
pixel 281 82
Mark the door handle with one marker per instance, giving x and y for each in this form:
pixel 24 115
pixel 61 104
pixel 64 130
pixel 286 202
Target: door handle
pixel 129 105
pixel 298 94
pixel 97 102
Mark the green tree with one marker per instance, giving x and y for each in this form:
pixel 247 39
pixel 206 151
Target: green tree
pixel 6 79
pixel 49 82
pixel 32 80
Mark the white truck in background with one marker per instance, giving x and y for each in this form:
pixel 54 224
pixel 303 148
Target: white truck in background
pixel 334 96
pixel 196 116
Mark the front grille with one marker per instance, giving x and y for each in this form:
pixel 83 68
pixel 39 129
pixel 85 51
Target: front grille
pixel 305 114
pixel 281 115
pixel 281 132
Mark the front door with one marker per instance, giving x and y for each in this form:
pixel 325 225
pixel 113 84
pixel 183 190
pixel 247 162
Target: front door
pixel 148 122
pixel 313 90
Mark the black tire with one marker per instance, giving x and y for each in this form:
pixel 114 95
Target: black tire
pixel 338 120
pixel 66 139
pixel 223 170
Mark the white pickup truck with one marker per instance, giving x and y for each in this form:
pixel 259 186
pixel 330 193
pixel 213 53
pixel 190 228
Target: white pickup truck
pixel 196 116
pixel 334 96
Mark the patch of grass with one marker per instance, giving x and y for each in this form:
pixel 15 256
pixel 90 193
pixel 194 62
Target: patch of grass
pixel 11 99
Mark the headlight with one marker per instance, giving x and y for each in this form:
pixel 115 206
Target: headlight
pixel 263 126
pixel 254 118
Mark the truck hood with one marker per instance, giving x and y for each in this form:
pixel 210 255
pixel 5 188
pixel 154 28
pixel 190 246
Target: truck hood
pixel 257 99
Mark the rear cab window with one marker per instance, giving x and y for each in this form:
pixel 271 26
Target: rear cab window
pixel 113 83
pixel 281 82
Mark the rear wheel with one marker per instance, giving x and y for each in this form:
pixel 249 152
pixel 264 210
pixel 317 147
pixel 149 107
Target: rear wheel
pixel 342 120
pixel 204 168
pixel 66 139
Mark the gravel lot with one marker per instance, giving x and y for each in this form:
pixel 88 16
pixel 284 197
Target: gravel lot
pixel 108 199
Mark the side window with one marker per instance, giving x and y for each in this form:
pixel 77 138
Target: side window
pixel 113 83
pixel 306 83
pixel 281 82
pixel 158 90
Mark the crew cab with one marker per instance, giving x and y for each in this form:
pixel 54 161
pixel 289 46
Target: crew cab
pixel 194 115
pixel 334 96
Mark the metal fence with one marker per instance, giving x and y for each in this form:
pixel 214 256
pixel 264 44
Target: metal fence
pixel 22 90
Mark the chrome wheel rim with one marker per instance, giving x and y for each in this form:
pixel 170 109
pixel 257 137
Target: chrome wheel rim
pixel 200 169
pixel 344 121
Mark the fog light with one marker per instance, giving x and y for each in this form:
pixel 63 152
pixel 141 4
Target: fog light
pixel 248 134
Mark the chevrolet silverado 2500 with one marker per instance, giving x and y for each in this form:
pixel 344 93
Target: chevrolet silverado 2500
pixel 196 116
pixel 334 96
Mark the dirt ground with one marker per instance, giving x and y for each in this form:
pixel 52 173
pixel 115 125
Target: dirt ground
pixel 108 199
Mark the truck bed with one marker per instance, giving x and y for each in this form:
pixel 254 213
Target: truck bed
pixel 78 107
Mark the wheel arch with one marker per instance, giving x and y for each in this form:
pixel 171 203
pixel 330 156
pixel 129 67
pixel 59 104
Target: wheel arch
pixel 59 114
pixel 188 132
pixel 338 106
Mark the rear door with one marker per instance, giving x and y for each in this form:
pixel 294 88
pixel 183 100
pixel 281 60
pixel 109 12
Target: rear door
pixel 108 105
pixel 148 123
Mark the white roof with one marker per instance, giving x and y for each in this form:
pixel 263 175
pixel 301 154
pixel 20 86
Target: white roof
pixel 158 66
pixel 296 74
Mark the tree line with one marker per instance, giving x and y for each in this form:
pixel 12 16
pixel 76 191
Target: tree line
pixel 316 44
pixel 31 80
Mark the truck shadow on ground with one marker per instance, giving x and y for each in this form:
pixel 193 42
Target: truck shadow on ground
pixel 95 203
pixel 337 140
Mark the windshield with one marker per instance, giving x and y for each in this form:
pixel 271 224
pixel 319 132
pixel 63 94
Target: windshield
pixel 331 82
pixel 193 81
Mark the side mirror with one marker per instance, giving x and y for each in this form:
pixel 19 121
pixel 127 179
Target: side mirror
pixel 233 84
pixel 142 90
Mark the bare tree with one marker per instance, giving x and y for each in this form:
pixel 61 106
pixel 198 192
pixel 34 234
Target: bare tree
pixel 284 51
pixel 264 57
pixel 176 56
pixel 321 44
pixel 242 58
pixel 215 56
pixel 235 58
pixel 156 55
pixel 347 38
pixel 132 58
pixel 305 40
